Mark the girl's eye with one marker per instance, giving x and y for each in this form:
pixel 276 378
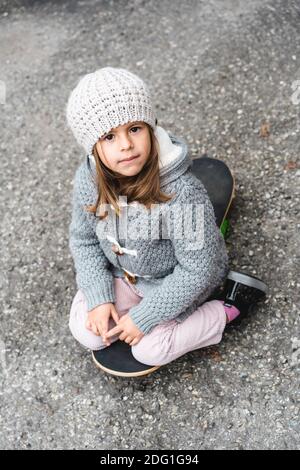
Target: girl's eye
pixel 107 137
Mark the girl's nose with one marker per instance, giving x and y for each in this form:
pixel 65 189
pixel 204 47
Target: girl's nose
pixel 125 143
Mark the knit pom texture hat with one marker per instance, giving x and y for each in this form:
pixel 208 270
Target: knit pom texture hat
pixel 105 99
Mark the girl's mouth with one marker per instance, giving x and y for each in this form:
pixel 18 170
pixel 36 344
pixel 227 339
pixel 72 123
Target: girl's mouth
pixel 128 160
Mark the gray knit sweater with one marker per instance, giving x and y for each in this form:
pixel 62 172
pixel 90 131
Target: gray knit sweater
pixel 173 277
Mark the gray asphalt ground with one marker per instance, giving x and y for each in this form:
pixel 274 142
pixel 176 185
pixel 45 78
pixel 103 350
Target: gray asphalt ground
pixel 218 71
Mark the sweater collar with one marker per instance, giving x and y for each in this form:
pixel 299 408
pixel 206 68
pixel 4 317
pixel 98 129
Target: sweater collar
pixel 173 156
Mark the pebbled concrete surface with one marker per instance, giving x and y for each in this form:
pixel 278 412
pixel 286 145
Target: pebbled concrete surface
pixel 218 71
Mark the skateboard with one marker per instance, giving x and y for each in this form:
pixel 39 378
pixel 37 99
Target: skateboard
pixel 117 359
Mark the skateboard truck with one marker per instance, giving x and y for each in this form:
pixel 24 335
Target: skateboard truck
pixel 232 294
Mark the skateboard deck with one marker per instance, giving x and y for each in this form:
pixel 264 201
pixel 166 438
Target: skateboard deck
pixel 219 184
pixel 117 359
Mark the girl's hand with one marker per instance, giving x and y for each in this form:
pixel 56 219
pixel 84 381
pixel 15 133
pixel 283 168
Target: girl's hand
pixel 129 332
pixel 98 318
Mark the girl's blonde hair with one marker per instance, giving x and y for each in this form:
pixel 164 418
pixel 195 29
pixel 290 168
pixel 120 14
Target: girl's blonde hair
pixel 143 187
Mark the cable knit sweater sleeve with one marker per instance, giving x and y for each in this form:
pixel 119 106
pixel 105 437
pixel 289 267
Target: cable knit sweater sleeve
pixel 198 272
pixel 93 276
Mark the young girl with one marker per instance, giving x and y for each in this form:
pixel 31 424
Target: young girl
pixel 140 277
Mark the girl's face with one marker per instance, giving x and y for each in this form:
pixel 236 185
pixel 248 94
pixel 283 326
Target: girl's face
pixel 123 142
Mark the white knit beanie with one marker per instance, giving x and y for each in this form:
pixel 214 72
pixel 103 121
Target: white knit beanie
pixel 104 99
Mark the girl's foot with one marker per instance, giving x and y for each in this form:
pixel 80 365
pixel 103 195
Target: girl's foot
pixel 240 293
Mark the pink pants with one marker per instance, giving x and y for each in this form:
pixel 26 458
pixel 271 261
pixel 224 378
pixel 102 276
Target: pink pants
pixel 166 341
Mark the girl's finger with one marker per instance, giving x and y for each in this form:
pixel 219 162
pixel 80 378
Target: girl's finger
pixel 100 329
pixel 88 325
pixel 113 331
pixel 95 329
pixel 123 336
pixel 104 338
pixel 115 316
pixel 106 341
pixel 134 342
pixel 128 339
